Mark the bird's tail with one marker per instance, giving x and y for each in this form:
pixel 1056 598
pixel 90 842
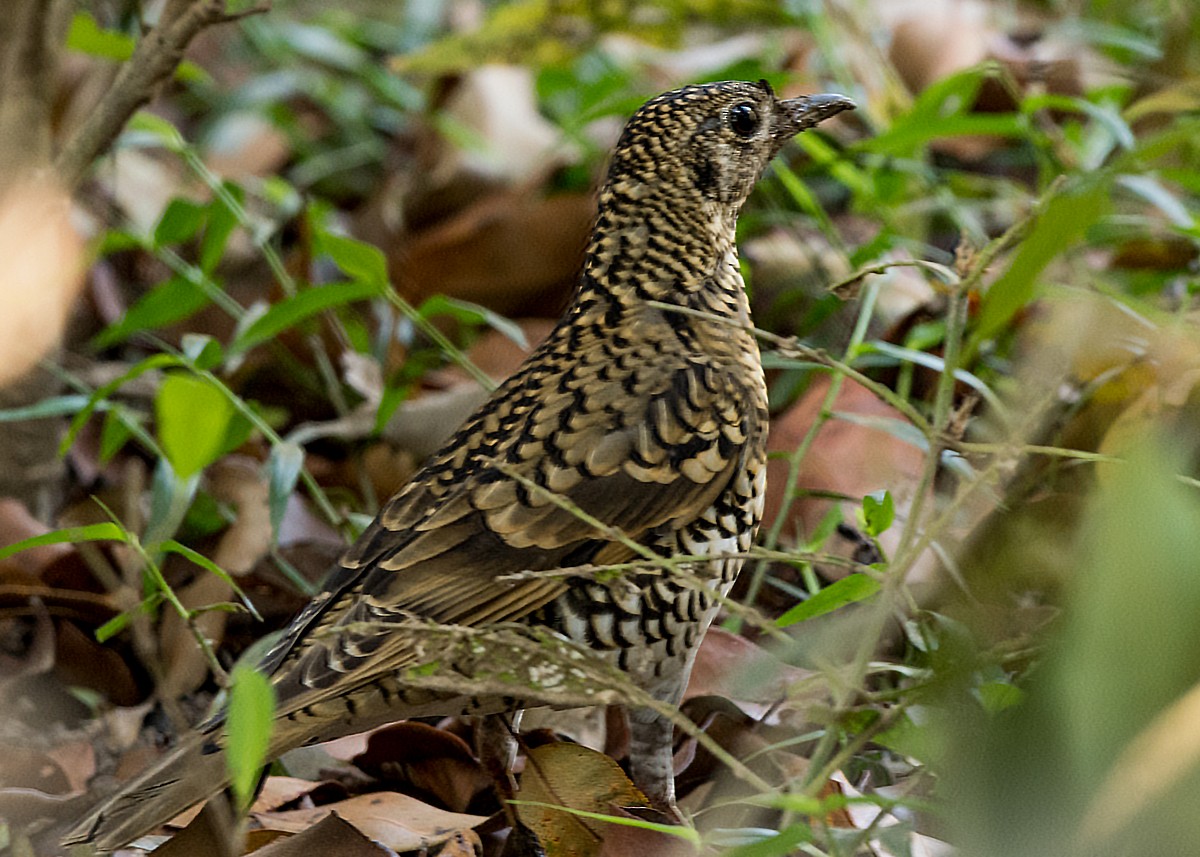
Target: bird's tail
pixel 189 773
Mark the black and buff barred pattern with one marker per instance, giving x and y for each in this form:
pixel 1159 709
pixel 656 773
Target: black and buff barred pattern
pixel 651 421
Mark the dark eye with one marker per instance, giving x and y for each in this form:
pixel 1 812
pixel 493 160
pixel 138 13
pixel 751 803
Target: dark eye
pixel 743 119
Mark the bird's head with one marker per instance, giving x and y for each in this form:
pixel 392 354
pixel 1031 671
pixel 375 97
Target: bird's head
pixel 712 141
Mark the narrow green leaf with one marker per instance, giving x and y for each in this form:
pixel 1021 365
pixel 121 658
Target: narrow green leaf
pixel 55 406
pixel 105 532
pixel 155 361
pixel 172 301
pixel 221 222
pixel 180 222
pixel 304 304
pixel 855 587
pixel 172 546
pixel 283 471
pixel 361 261
pixel 783 843
pixel 251 710
pixel 113 435
pixel 907 139
pixel 158 129
pixel 193 417
pixel 1064 220
pixel 120 622
pixel 472 313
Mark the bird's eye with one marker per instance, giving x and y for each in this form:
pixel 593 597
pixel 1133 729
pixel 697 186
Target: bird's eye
pixel 743 119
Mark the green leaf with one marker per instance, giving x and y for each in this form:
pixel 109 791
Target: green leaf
pixel 193 417
pixel 101 394
pixel 170 499
pixel 848 590
pixel 174 300
pixel 172 546
pixel 105 532
pixel 55 406
pixel 87 37
pixel 251 711
pixel 1064 220
pixel 471 313
pixel 113 435
pixel 222 220
pixel 783 843
pixel 204 351
pixel 157 129
pixel 360 261
pixel 879 511
pixel 283 471
pixel 180 222
pixel 304 304
pixel 120 622
pixel 999 695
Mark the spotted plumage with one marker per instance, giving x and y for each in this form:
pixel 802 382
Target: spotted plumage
pixel 650 421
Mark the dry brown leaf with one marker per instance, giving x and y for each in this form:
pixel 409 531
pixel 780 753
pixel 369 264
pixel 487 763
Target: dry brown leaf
pixel 461 845
pixel 730 666
pixel 184 663
pixel 31 650
pixel 424 757
pixel 277 791
pixel 239 481
pixel 499 104
pixel 16 523
pixel 77 760
pixel 517 253
pixel 330 836
pixel 83 662
pixel 567 775
pixel 347 747
pixel 243 144
pixel 398 821
pixel 27 768
pixel 212 832
pixel 846 457
pixel 707 784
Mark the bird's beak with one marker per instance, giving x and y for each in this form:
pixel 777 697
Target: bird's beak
pixel 797 114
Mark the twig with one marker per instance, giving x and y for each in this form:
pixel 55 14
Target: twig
pixel 157 54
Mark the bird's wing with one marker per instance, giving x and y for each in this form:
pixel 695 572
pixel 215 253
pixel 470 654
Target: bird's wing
pixel 641 458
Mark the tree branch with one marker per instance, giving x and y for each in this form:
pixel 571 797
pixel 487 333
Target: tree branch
pixel 158 53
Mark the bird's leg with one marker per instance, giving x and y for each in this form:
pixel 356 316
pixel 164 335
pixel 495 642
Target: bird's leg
pixel 651 759
pixel 496 744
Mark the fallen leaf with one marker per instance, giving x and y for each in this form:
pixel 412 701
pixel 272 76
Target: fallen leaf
pixel 277 791
pixel 331 835
pixel 398 821
pixel 240 482
pixel 27 768
pixel 429 759
pixel 518 253
pixel 567 775
pixel 733 667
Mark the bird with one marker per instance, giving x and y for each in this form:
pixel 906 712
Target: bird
pixel 637 427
